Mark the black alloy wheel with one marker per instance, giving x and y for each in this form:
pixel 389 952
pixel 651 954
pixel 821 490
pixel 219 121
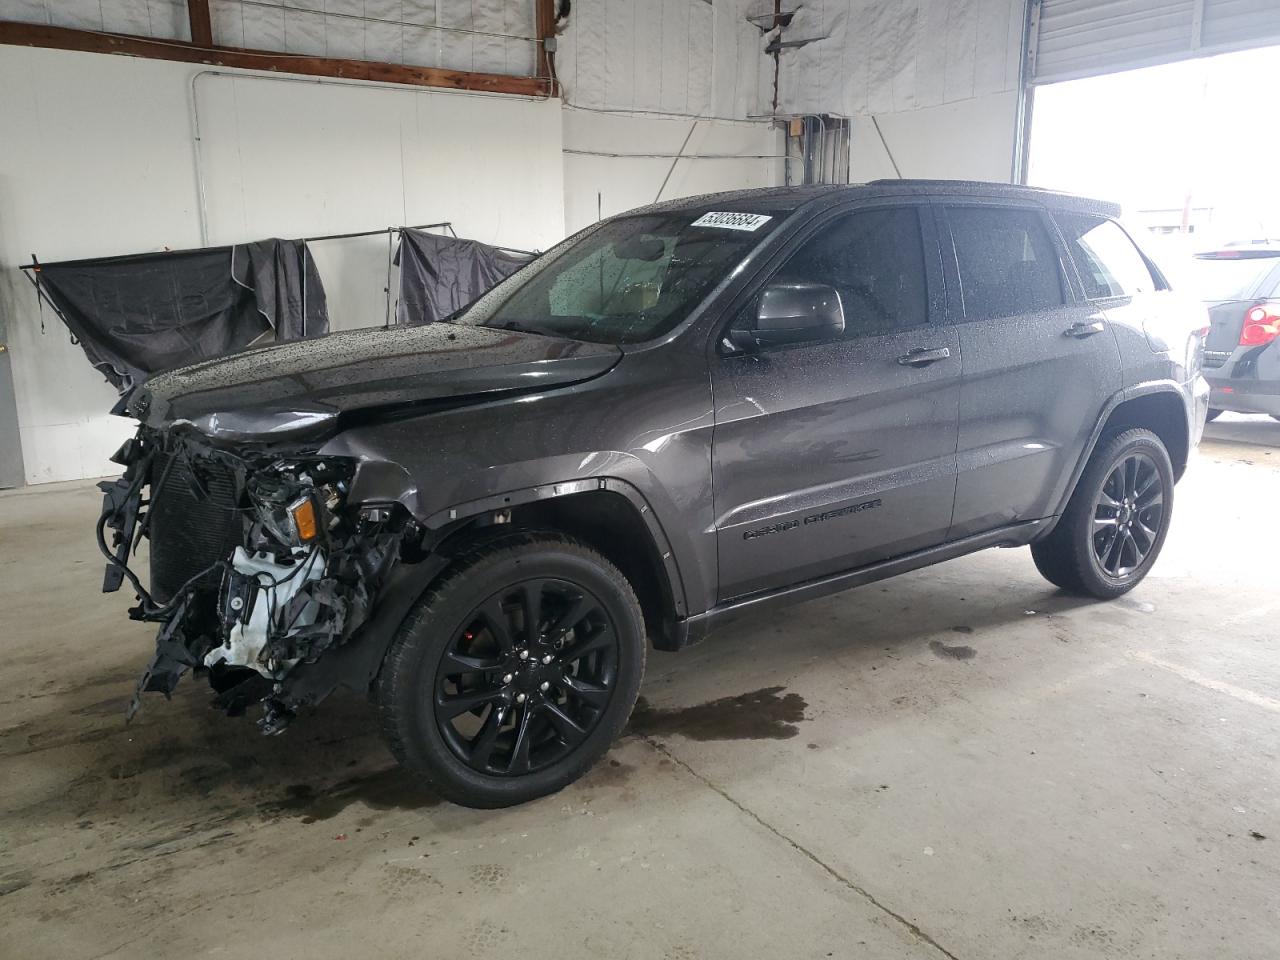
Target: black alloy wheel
pixel 527 678
pixel 1128 515
pixel 515 670
pixel 1115 523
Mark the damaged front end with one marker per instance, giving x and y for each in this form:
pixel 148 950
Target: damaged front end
pixel 260 570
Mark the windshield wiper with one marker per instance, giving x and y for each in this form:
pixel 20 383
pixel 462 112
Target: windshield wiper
pixel 519 327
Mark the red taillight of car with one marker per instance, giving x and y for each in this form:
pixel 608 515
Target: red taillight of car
pixel 1261 325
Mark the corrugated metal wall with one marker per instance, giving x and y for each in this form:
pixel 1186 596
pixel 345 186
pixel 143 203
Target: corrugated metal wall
pixel 1085 38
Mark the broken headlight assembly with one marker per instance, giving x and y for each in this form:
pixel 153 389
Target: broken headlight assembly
pixel 298 505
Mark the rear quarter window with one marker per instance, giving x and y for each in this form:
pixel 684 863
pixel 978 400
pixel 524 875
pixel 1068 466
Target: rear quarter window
pixel 1108 262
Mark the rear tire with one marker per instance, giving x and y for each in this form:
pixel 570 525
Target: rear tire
pixel 1212 415
pixel 1116 520
pixel 515 671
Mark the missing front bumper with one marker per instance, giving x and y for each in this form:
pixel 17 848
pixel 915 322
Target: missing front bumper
pixel 261 617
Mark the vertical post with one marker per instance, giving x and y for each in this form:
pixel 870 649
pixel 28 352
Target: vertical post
pixel 201 23
pixel 1021 160
pixel 544 16
pixel 391 255
pixel 304 289
pixel 777 52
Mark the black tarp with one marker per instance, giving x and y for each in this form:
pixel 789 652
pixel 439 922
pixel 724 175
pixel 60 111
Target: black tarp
pixel 440 275
pixel 138 315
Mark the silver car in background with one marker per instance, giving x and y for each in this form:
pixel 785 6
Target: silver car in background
pixel 1241 287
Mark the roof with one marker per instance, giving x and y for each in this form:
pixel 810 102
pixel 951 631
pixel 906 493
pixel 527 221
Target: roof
pixel 786 199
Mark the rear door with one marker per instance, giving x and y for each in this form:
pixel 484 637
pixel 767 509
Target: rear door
pixel 1037 363
pixel 833 455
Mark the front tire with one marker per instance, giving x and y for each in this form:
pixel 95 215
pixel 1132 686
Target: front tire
pixel 1116 521
pixel 515 671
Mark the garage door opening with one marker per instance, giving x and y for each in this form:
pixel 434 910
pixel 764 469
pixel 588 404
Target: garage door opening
pixel 1187 148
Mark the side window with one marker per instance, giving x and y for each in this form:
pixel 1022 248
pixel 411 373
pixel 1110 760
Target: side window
pixel 1007 261
pixel 875 261
pixel 1109 264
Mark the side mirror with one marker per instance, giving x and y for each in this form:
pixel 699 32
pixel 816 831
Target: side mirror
pixel 792 313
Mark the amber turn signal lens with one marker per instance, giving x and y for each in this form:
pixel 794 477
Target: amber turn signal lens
pixel 304 519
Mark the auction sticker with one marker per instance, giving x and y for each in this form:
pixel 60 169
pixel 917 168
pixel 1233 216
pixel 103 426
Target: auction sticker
pixel 733 221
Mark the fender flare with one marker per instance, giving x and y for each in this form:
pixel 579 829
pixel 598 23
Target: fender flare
pixel 567 488
pixel 1132 392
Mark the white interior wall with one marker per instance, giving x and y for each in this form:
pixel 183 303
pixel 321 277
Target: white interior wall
pixel 941 78
pixel 968 140
pixel 616 184
pixel 98 159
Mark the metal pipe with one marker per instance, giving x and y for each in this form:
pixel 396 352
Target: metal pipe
pixel 390 259
pixel 681 156
pixel 672 169
pixel 371 233
pixel 885 143
pixel 822 148
pixel 443 225
pixel 665 115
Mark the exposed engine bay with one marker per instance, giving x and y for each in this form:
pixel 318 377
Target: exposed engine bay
pixel 258 567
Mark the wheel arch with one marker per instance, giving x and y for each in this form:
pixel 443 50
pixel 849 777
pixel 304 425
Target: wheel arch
pixel 607 514
pixel 1163 412
pixel 1158 406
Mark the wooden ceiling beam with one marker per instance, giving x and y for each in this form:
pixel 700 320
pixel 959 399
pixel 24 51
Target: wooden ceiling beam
pixel 64 38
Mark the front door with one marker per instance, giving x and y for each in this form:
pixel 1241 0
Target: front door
pixel 832 455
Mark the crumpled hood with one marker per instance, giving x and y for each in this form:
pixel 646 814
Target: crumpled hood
pixel 363 369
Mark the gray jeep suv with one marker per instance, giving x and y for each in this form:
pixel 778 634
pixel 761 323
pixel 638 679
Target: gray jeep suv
pixel 679 415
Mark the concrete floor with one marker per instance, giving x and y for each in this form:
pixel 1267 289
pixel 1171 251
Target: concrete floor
pixel 958 763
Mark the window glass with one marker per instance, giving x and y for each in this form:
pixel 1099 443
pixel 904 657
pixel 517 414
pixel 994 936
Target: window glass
pixel 875 261
pixel 1228 278
pixel 1109 264
pixel 629 280
pixel 603 282
pixel 1007 262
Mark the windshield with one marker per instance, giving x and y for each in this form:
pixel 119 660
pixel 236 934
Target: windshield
pixel 632 279
pixel 1233 279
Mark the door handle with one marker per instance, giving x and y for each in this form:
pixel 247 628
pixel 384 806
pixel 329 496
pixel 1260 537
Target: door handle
pixel 923 356
pixel 1082 330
